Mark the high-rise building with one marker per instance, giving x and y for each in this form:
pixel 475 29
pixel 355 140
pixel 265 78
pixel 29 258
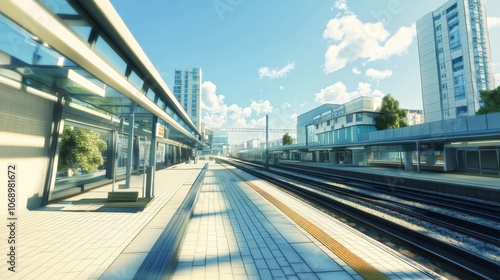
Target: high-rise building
pixel 455 59
pixel 187 90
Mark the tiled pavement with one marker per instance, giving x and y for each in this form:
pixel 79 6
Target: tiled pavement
pixel 234 234
pixel 69 240
pixel 237 234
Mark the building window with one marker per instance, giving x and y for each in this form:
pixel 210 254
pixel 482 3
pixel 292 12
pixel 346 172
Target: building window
pixel 455 44
pixel 445 86
pixel 452 26
pixel 359 117
pixel 327 123
pixel 451 9
pixel 459 85
pixel 453 16
pixel 457 64
pixel 461 110
pixel 438 28
pixel 348 118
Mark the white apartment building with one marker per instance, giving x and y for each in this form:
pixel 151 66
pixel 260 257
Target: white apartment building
pixel 187 90
pixel 253 144
pixel 414 117
pixel 455 59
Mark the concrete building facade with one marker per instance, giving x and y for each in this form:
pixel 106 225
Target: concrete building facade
pixel 455 59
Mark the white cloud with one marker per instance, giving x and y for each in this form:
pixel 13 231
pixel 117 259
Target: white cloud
pixel 493 22
pixel 294 116
pixel 353 39
pixel 261 107
pixel 497 80
pixel 266 72
pixel 259 123
pixel 218 114
pixel 338 94
pixel 210 101
pixel 341 5
pixel 282 87
pixel 375 74
pixel 356 71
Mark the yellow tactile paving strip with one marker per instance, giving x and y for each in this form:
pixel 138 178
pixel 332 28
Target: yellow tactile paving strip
pixel 366 270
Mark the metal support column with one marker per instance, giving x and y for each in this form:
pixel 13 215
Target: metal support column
pixel 267 141
pixel 56 131
pixel 418 157
pixel 131 121
pixel 152 161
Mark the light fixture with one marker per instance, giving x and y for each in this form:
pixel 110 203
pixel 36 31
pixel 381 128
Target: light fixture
pixel 486 142
pixel 86 83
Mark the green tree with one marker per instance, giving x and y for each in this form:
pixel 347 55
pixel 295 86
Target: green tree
pixel 391 116
pixel 491 99
pixel 80 148
pixel 287 139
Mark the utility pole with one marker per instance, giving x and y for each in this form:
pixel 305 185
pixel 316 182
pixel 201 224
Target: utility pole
pixel 267 141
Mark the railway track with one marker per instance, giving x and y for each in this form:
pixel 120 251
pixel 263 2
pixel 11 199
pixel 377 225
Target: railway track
pixel 459 262
pixel 483 210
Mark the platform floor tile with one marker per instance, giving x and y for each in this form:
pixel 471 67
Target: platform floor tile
pixel 237 234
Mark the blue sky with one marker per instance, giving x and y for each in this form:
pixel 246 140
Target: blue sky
pixel 284 58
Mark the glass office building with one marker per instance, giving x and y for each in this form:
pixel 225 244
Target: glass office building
pixel 455 60
pixel 338 123
pixel 187 90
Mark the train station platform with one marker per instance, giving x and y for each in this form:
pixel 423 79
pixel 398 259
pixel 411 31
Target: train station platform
pixel 241 228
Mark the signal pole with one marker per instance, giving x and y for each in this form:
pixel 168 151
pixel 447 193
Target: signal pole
pixel 267 141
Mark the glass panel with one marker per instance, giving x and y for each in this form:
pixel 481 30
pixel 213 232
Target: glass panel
pixel 59 7
pixel 160 104
pixel 150 94
pixel 359 117
pixel 82 31
pixel 24 48
pixel 82 155
pixel 105 50
pixel 349 118
pixel 136 80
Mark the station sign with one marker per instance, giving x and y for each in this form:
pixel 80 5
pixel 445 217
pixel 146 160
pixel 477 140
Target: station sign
pixel 160 130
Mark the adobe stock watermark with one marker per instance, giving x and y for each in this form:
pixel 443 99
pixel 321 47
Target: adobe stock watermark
pixel 222 7
pixel 393 7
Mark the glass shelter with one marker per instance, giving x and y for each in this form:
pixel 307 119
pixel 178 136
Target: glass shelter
pixel 71 70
